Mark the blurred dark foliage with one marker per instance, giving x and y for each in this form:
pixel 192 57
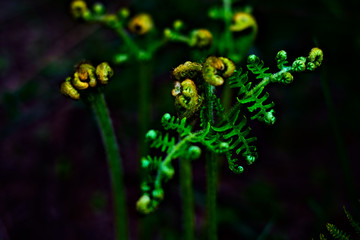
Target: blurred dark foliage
pixel 54 182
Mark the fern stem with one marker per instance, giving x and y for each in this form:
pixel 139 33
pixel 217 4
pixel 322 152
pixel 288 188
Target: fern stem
pixel 229 51
pixel 128 41
pixel 114 163
pixel 228 34
pixel 171 155
pixel 211 173
pixel 187 198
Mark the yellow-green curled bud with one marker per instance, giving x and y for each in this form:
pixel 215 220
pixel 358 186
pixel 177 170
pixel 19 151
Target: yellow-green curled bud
pixel 316 56
pixel 79 8
pixel 84 76
pixel 143 204
pixel 215 69
pixel 68 90
pixel 187 70
pixel 104 72
pixel 141 24
pixel 200 38
pixel 242 21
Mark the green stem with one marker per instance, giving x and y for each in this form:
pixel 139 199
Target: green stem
pixel 187 198
pixel 229 51
pixel 114 162
pixel 211 174
pixel 133 48
pixel 228 35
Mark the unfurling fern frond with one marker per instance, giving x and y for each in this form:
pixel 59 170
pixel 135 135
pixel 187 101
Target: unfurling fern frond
pixel 263 112
pixel 336 232
pixel 159 141
pixel 354 224
pixel 234 133
pixel 240 80
pixel 256 66
pixel 150 163
pixel 174 123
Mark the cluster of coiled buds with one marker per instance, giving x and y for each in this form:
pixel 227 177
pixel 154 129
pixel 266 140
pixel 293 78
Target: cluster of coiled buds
pixel 190 77
pixel 200 38
pixel 139 24
pixel 309 63
pixel 86 76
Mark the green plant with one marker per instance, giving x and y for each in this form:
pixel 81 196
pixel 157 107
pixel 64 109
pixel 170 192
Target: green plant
pixel 337 233
pixel 139 43
pixel 87 84
pixel 219 131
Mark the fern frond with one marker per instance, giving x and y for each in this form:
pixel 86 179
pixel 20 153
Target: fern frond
pixel 235 134
pixel 322 237
pixel 233 166
pixel 165 143
pixel 240 80
pixel 172 122
pixel 281 59
pixel 263 112
pixel 218 107
pixel 336 232
pixel 256 66
pixel 150 163
pixel 354 224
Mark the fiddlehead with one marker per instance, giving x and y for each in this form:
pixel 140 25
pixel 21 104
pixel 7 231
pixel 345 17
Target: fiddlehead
pixel 241 21
pixel 189 70
pixel 187 99
pixel 215 69
pixel 85 76
pixel 141 24
pixel 200 38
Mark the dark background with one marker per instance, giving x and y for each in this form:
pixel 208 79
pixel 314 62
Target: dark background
pixel 54 182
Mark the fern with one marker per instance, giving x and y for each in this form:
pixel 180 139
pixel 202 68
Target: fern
pixel 239 80
pixel 337 233
pixel 221 132
pixel 354 224
pixel 159 141
pixel 180 126
pixel 234 132
pixel 256 66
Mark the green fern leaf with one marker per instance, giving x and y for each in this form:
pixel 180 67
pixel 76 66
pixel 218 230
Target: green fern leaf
pixel 256 66
pixel 171 122
pixel 150 163
pixel 159 141
pixel 235 135
pixel 322 237
pixel 263 112
pixel 354 224
pixel 337 233
pixel 239 80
